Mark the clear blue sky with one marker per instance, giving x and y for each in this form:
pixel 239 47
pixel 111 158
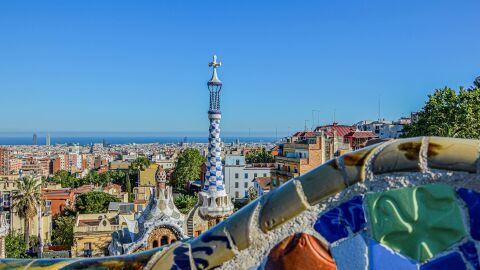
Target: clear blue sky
pixel 142 65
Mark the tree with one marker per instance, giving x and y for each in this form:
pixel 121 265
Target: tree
pixel 15 246
pixel 252 194
pixel 449 114
pixel 188 167
pixel 477 82
pixel 26 199
pixel 94 202
pixel 140 163
pixel 261 156
pixel 128 184
pixel 62 232
pixel 185 202
pixel 65 179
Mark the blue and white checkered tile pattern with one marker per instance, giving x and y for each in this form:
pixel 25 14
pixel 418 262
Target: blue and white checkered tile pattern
pixel 214 175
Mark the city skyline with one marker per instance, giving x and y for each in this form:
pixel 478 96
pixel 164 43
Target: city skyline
pixel 128 67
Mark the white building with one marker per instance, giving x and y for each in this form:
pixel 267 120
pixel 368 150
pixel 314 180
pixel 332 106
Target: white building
pixel 384 128
pixel 239 175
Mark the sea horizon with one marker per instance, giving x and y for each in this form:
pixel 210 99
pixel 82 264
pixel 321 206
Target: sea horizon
pixel 121 138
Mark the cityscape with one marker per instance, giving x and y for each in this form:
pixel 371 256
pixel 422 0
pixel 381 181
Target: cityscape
pixel 328 183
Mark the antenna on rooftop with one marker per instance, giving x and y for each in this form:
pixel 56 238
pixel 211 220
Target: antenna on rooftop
pixel 379 96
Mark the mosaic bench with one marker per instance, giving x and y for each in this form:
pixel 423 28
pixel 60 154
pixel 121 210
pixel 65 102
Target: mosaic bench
pixel 405 204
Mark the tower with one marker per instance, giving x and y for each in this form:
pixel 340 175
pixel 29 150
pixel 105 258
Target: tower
pixel 47 140
pixel 34 141
pixel 214 203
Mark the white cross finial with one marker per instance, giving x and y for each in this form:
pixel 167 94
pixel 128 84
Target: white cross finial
pixel 215 64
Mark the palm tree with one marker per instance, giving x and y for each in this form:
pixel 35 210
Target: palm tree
pixel 27 198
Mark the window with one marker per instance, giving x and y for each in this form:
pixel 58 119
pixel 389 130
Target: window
pixel 236 184
pixel 237 194
pixel 255 175
pixel 245 185
pixel 265 175
pixel 237 162
pixel 87 246
pixel 246 176
pixel 236 176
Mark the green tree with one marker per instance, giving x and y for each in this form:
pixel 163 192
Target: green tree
pixel 15 246
pixel 448 114
pixel 26 199
pixel 188 167
pixel 65 179
pixel 260 156
pixel 62 231
pixel 94 202
pixel 128 184
pixel 140 163
pixel 252 194
pixel 185 202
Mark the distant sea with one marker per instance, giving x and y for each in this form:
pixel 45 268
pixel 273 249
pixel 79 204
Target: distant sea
pixel 86 140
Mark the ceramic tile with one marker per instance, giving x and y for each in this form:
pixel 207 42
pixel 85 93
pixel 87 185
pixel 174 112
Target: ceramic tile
pixel 444 153
pixel 351 253
pixel 472 199
pixel 400 155
pixel 381 257
pixel 300 251
pixel 322 182
pixel 418 222
pixel 281 205
pixel 452 261
pixel 470 253
pixel 334 224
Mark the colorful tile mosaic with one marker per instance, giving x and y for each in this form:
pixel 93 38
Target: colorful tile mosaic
pixel 381 257
pixel 334 224
pixel 470 253
pixel 351 253
pixel 452 261
pixel 472 199
pixel 418 222
pixel 300 251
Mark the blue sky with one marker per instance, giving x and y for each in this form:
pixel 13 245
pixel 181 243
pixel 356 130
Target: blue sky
pixel 141 66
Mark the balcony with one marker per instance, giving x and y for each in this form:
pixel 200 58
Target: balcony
pixel 285 173
pixel 301 161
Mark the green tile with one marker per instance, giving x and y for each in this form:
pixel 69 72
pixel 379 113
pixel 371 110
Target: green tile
pixel 418 222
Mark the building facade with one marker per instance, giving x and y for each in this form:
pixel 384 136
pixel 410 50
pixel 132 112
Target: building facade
pixel 4 161
pixel 384 128
pixel 239 176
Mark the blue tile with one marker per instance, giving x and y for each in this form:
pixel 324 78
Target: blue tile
pixel 469 251
pixel 448 262
pixel 350 254
pixel 334 224
pixel 472 199
pixel 380 257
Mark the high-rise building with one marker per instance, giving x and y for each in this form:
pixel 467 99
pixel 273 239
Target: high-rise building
pixel 4 161
pixel 215 202
pixel 34 142
pixel 47 139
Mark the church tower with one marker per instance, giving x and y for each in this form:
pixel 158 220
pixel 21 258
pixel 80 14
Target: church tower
pixel 214 203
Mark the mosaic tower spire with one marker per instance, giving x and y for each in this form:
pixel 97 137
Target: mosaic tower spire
pixel 215 201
